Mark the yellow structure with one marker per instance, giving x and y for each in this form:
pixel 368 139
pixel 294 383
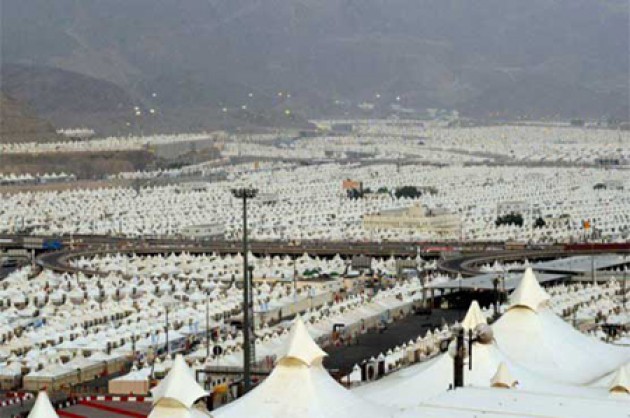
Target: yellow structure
pixel 417 218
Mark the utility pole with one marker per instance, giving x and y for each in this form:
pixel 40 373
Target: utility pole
pixel 623 287
pixel 244 194
pixel 495 284
pixel 207 326
pixel 294 279
pixel 593 268
pixel 458 370
pixel 168 349
pixel 252 318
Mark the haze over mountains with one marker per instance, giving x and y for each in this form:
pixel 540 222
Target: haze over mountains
pixel 500 58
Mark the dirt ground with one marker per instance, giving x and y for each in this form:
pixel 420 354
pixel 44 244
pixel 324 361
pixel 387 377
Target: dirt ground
pixel 83 165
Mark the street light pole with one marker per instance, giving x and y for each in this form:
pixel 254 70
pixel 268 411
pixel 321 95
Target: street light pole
pixel 168 350
pixel 244 194
pixel 458 369
pixel 207 326
pixel 294 279
pixel 623 287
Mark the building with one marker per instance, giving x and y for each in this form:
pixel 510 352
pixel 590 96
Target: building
pixel 349 184
pixel 342 127
pixel 194 186
pixel 418 218
pixel 268 198
pixel 203 231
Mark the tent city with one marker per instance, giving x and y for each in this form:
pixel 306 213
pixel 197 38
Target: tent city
pixel 300 209
pixel 497 287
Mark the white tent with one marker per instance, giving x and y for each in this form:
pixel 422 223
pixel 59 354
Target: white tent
pixel 535 338
pixel 529 293
pixel 423 381
pixel 299 386
pixel 42 407
pixel 503 378
pixel 621 381
pixel 473 317
pixel 176 394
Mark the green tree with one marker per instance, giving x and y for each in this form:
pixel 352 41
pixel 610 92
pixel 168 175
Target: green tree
pixel 411 192
pixel 510 219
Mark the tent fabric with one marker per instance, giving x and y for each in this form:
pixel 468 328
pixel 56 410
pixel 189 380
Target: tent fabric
pixel 299 386
pixel 529 293
pixel 493 403
pixel 166 410
pixel 554 358
pixel 503 378
pixel 135 382
pixel 424 381
pixel 301 346
pixel 42 407
pixel 179 385
pixel 545 344
pixel 294 389
pixel 621 381
pixel 473 317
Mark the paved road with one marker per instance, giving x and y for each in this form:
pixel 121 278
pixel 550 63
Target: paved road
pixel 469 264
pixel 5 271
pixel 472 253
pixel 375 342
pixel 87 245
pixel 13 410
pixel 58 261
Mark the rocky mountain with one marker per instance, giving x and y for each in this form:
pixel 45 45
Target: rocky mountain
pixel 67 98
pixel 191 59
pixel 19 124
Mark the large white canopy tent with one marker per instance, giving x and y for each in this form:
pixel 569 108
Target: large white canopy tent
pixel 532 336
pixel 422 390
pixel 177 392
pixel 299 386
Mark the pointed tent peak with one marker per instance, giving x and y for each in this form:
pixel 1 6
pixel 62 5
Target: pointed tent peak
pixel 473 317
pixel 301 346
pixel 503 378
pixel 179 385
pixel 42 407
pixel 177 411
pixel 621 382
pixel 529 293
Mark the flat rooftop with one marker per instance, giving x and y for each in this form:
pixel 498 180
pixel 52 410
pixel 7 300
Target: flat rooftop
pixel 484 281
pixel 581 264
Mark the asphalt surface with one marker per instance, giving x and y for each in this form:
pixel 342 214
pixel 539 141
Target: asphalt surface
pixel 5 271
pixel 88 245
pixel 471 254
pixel 469 264
pixel 375 342
pixel 10 411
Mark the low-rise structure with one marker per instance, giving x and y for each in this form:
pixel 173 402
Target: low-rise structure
pixel 203 231
pixel 418 218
